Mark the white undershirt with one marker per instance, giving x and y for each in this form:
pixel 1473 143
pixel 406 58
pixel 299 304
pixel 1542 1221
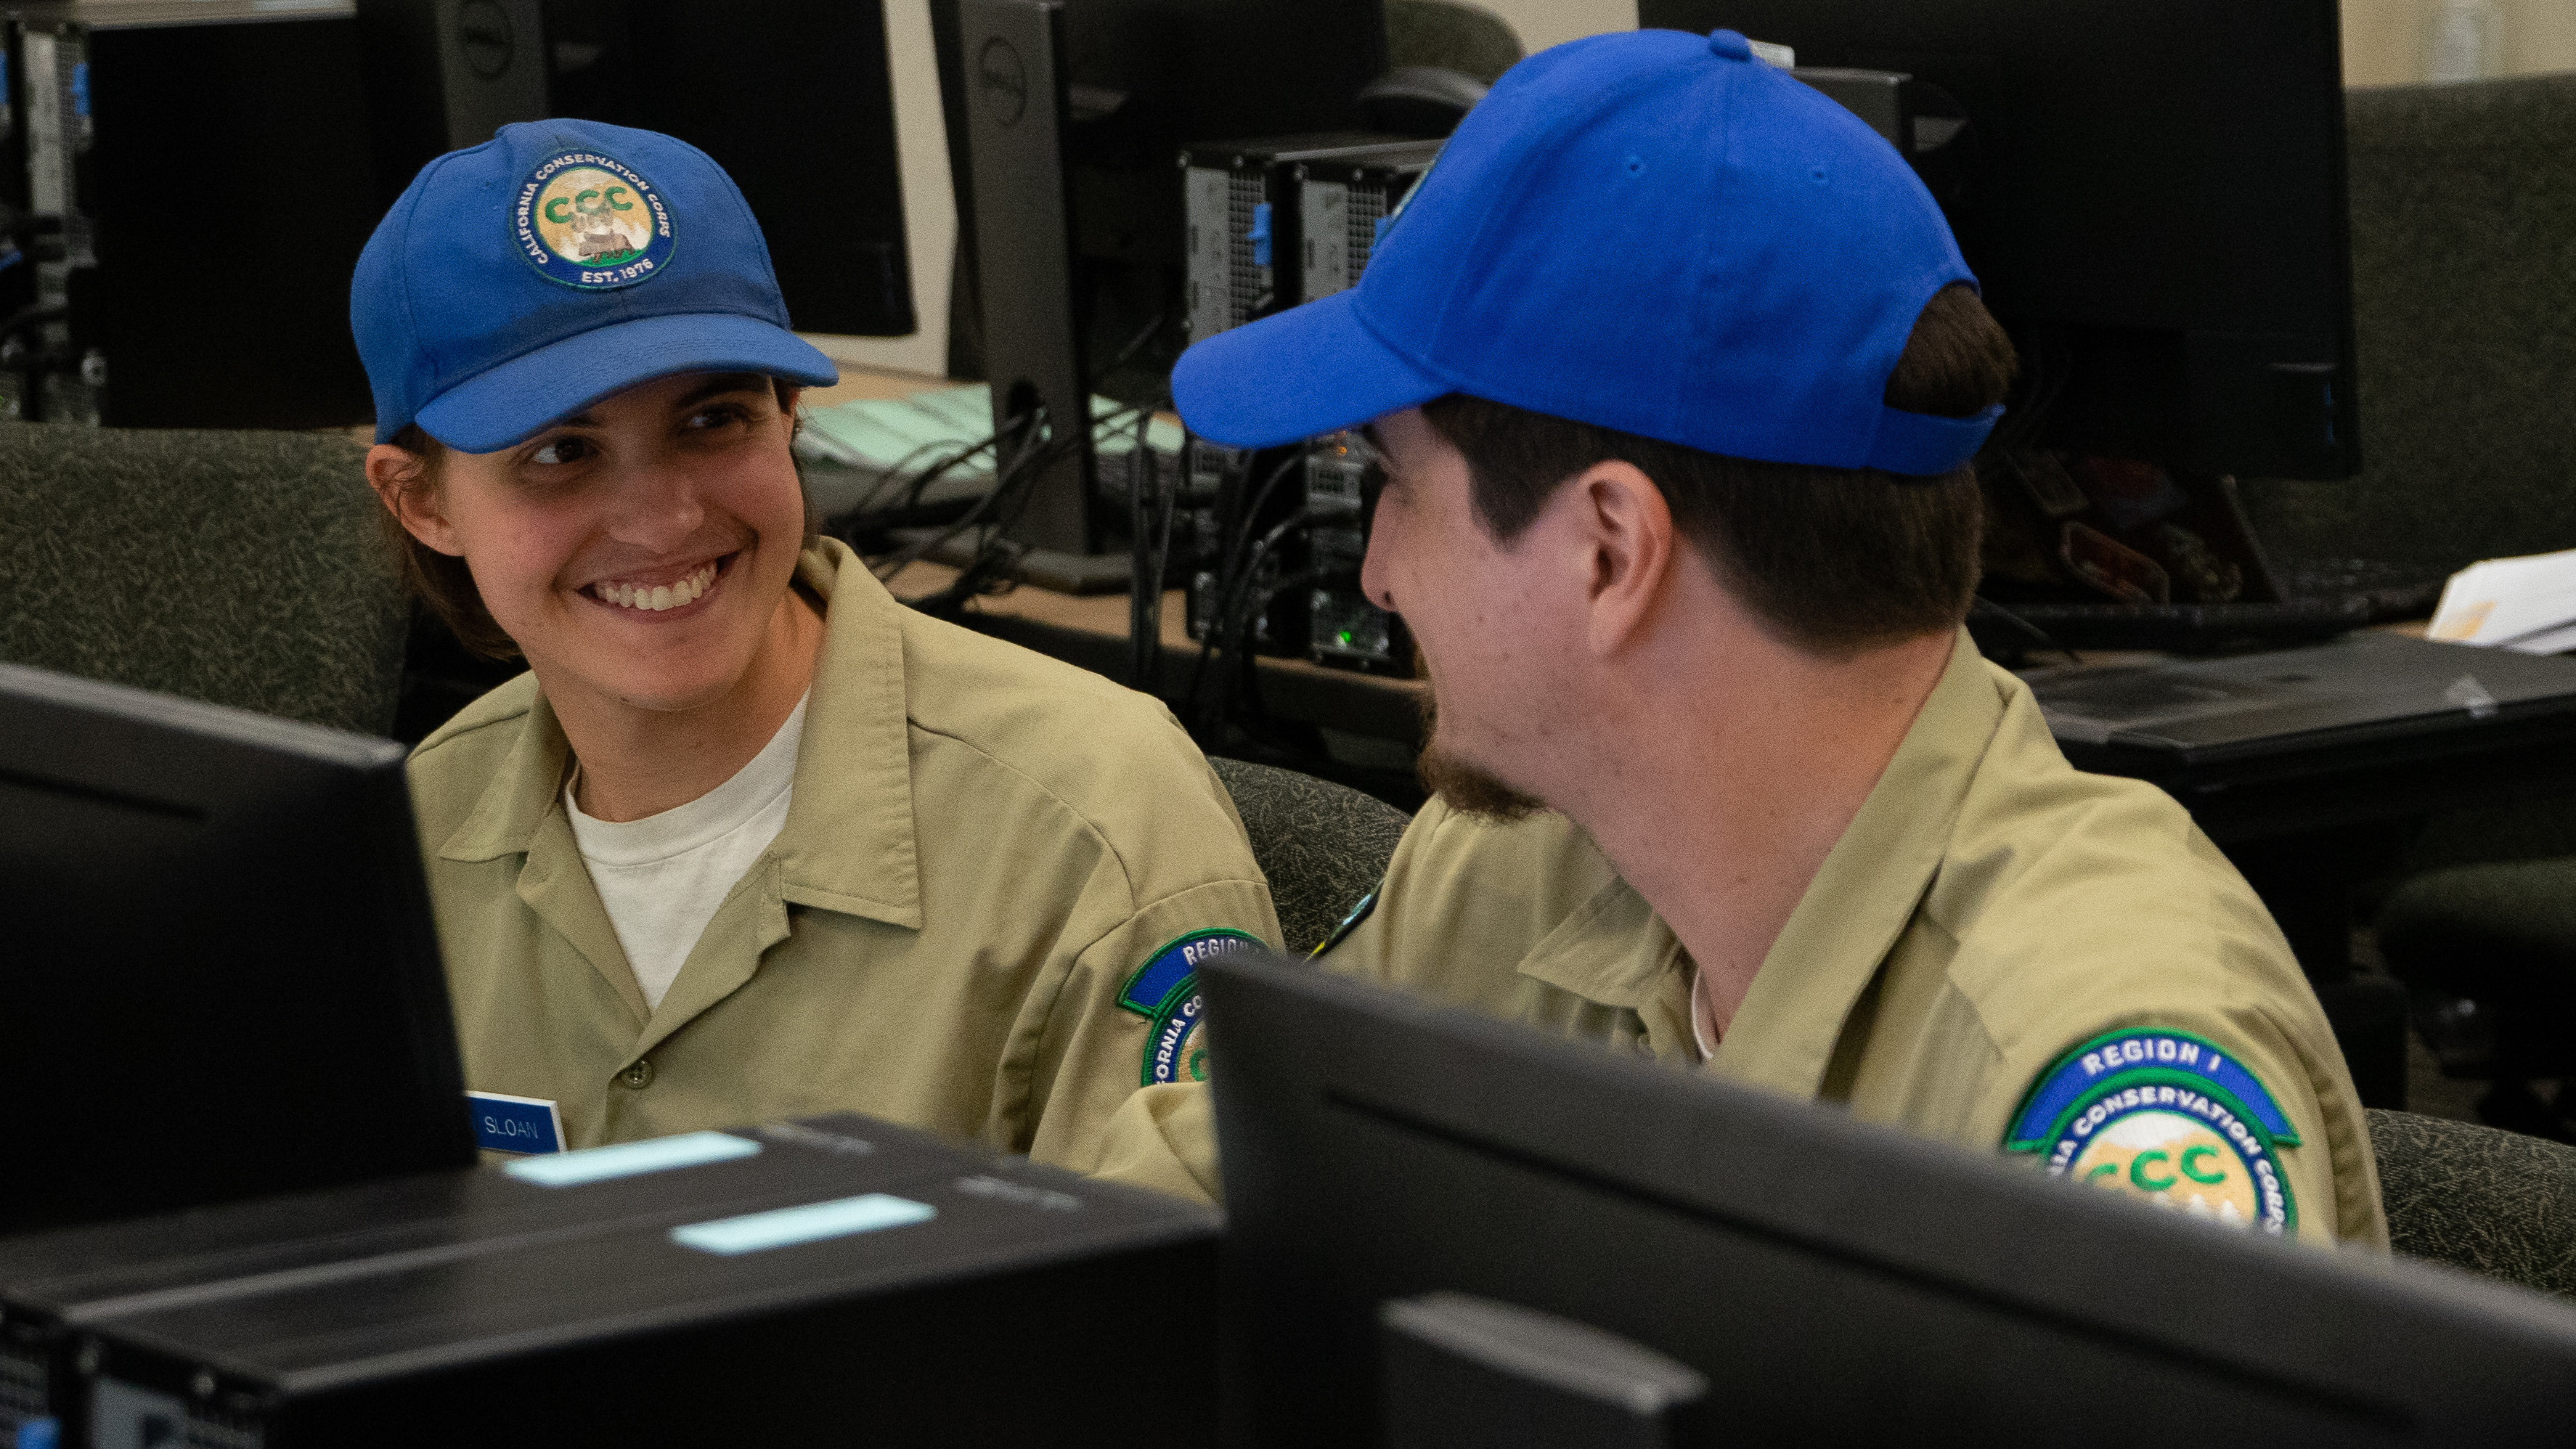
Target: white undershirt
pixel 663 876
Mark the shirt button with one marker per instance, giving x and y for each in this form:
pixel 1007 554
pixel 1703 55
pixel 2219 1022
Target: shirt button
pixel 638 1076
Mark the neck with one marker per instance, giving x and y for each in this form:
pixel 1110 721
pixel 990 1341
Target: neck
pixel 1738 781
pixel 638 762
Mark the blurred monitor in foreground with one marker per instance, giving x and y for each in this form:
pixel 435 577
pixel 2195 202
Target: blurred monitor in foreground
pixel 221 979
pixel 1447 1229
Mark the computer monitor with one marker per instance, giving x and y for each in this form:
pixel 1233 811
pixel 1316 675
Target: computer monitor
pixel 220 977
pixel 2152 197
pixel 794 100
pixel 1832 1281
pixel 1147 78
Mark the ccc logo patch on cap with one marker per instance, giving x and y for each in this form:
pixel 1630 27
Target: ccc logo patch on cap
pixel 591 221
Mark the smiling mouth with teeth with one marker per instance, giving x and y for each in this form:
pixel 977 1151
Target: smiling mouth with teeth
pixel 654 598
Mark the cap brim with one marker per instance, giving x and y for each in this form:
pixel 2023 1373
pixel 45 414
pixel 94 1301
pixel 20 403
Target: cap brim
pixel 513 401
pixel 1308 370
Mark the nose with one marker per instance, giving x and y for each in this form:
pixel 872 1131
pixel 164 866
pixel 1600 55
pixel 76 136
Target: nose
pixel 657 508
pixel 1374 568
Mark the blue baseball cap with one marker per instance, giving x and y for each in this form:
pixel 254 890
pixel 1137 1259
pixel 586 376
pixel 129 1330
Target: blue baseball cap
pixel 559 262
pixel 1651 232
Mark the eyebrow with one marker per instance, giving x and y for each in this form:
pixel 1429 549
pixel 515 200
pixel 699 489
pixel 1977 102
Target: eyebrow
pixel 720 385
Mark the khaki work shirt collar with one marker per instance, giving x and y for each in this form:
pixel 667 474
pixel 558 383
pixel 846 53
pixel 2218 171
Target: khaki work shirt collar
pixel 847 844
pixel 1616 951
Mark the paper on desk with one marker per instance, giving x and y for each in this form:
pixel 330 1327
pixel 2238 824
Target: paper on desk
pixel 2524 604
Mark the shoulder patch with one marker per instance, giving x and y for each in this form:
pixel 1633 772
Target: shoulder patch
pixel 1165 991
pixel 2166 1116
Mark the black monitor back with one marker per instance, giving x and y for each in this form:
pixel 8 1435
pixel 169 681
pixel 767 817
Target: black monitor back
pixel 794 100
pixel 220 976
pixel 1835 1282
pixel 2152 197
pixel 1149 77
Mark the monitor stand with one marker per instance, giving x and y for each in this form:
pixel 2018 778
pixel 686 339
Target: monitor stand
pixel 1462 1372
pixel 1018 112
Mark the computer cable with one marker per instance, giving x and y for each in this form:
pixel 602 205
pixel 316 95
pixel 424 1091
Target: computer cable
pixel 1012 489
pixel 854 522
pixel 1149 554
pixel 1031 428
pixel 1134 345
pixel 1231 627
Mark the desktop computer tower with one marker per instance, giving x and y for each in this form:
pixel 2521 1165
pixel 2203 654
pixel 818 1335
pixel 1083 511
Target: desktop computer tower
pixel 58 1288
pixel 964 1298
pixel 1272 224
pixel 1277 222
pixel 1240 508
pixel 193 185
pixel 1343 628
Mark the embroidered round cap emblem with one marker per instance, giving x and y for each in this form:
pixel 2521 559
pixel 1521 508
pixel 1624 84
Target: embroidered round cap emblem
pixel 591 221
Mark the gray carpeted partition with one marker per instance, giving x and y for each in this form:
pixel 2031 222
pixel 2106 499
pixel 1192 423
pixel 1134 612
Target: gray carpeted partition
pixel 2464 318
pixel 241 568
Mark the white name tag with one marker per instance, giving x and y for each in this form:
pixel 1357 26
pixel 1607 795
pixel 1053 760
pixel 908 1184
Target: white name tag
pixel 515 1124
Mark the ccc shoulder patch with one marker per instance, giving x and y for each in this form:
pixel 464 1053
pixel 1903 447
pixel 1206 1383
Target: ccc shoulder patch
pixel 2166 1116
pixel 1165 991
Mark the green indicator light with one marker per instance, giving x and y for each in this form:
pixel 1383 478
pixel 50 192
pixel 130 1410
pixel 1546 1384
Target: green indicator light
pixel 1345 636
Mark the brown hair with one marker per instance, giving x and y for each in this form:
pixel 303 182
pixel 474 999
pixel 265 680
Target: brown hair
pixel 1836 560
pixel 446 585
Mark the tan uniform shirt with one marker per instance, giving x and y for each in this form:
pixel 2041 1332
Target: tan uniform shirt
pixel 985 853
pixel 1990 914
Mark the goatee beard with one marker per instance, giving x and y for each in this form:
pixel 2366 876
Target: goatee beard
pixel 1468 789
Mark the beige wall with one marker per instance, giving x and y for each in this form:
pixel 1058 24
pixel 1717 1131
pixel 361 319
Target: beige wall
pixel 1542 23
pixel 2383 40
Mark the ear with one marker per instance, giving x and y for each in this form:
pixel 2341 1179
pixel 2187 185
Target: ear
pixel 401 480
pixel 1628 531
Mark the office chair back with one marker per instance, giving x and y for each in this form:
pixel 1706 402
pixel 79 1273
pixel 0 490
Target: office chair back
pixel 239 568
pixel 1450 35
pixel 1323 846
pixel 2494 1203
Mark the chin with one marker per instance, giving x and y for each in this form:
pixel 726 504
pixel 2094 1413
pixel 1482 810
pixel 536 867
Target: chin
pixel 1473 790
pixel 1468 787
pixel 664 695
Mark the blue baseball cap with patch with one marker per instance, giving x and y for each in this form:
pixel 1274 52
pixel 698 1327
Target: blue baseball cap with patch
pixel 523 279
pixel 1652 232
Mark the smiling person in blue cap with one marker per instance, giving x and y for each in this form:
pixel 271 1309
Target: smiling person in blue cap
pixel 749 838
pixel 1676 374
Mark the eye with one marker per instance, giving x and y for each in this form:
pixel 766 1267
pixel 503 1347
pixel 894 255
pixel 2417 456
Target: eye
pixel 570 449
pixel 718 415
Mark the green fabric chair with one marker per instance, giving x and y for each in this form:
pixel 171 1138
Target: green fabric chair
pixel 2494 1203
pixel 240 568
pixel 1323 846
pixel 1450 35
